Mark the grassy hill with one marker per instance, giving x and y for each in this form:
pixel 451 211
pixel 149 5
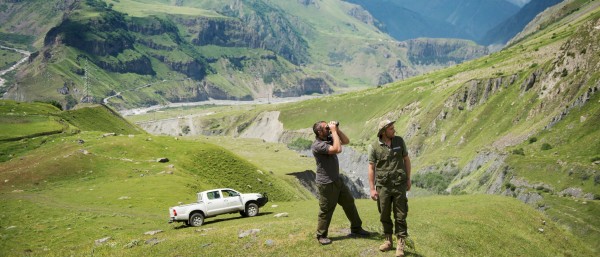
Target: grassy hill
pixel 67 192
pixel 521 122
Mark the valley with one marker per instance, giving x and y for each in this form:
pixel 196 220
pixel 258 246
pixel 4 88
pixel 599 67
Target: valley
pixel 100 134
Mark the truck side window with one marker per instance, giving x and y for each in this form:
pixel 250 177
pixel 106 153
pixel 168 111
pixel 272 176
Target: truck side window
pixel 213 195
pixel 229 193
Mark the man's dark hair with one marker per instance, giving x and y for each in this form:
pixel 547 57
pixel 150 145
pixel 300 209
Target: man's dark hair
pixel 317 126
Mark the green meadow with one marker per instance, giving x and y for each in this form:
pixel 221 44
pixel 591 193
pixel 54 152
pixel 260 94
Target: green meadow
pixel 93 193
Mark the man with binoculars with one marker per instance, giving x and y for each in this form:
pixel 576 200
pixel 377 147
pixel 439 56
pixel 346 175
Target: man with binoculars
pixel 331 189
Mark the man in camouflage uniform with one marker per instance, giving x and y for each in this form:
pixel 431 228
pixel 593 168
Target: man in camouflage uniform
pixel 389 180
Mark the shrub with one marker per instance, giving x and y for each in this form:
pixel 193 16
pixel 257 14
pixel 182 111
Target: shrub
pixel 564 73
pixel 434 181
pixel 585 176
pixel 510 186
pixel 185 129
pixel 519 151
pixel 532 140
pixel 300 144
pixel 546 146
pixel 53 103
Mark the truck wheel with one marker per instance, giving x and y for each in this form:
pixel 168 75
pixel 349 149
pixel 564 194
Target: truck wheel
pixel 196 220
pixel 243 213
pixel 251 210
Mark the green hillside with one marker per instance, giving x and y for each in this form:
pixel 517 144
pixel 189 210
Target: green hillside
pixel 522 122
pixel 70 191
pixel 439 226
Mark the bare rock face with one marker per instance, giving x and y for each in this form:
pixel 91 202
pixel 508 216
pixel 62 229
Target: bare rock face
pixel 266 126
pixel 364 16
pixel 443 51
pixel 306 86
pixel 307 2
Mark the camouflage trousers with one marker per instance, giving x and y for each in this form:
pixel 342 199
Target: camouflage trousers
pixel 330 195
pixel 393 201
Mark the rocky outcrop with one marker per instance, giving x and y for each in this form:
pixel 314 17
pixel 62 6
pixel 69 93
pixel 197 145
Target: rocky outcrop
pixel 443 51
pixel 475 93
pixel 216 92
pixel 489 166
pixel 307 86
pixel 576 56
pixel 151 26
pixel 140 65
pixel 271 32
pixel 192 68
pixel 265 126
pixel 101 36
pixel 307 2
pixel 365 17
pixel 193 93
pixel 530 81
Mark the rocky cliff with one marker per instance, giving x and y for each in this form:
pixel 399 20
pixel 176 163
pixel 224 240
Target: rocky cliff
pixel 443 51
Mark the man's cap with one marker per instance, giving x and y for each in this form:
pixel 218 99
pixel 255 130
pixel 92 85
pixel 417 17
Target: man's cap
pixel 383 125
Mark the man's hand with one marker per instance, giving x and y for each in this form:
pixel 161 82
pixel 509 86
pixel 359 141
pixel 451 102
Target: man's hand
pixel 374 194
pixel 333 126
pixel 408 184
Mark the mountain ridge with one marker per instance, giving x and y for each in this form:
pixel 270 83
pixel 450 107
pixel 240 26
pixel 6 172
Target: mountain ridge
pixel 259 50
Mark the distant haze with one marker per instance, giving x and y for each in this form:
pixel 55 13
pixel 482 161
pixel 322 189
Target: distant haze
pixel 520 3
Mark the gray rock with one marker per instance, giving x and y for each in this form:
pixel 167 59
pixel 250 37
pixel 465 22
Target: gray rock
pixel 132 244
pixel 153 232
pixel 279 215
pixel 248 232
pixel 101 241
pixel 572 191
pixel 153 241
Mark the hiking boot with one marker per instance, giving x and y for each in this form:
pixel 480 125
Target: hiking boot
pixel 387 244
pixel 323 240
pixel 360 233
pixel 400 247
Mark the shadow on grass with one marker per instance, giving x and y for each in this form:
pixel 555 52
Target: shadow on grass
pixel 373 237
pixel 377 237
pixel 208 221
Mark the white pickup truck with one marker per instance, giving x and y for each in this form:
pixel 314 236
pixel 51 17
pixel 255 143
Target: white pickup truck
pixel 215 202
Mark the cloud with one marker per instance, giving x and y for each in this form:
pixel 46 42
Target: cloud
pixel 519 3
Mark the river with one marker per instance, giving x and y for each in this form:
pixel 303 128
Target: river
pixel 211 101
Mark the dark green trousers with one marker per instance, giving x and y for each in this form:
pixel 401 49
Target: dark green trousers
pixel 393 201
pixel 330 195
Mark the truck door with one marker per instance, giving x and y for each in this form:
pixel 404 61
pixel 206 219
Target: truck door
pixel 215 203
pixel 233 199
